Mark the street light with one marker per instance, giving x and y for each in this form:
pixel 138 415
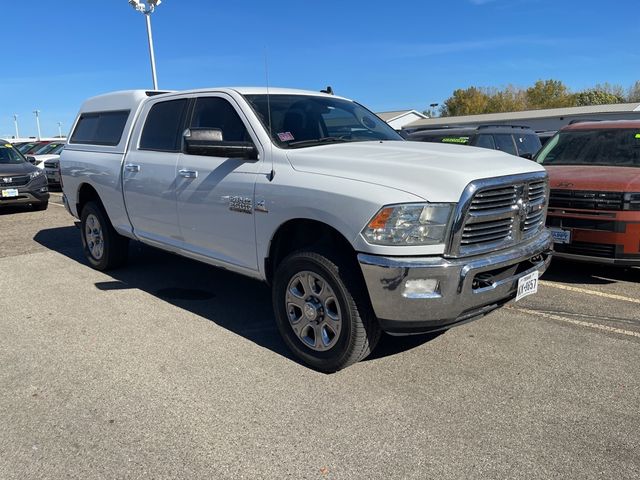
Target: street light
pixel 147 8
pixel 37 113
pixel 15 122
pixel 60 129
pixel 432 110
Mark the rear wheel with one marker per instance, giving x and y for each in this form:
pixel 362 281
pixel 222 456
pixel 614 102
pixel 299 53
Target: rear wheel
pixel 103 246
pixel 322 311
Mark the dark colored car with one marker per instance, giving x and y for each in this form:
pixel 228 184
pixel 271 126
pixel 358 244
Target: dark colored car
pixel 513 139
pixel 20 182
pixel 32 147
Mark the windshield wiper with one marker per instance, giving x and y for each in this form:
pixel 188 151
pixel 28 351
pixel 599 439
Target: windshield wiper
pixel 316 141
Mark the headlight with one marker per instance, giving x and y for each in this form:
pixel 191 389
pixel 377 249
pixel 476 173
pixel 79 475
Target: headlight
pixel 35 174
pixel 410 224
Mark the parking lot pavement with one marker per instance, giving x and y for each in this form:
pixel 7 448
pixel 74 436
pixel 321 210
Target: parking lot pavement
pixel 172 369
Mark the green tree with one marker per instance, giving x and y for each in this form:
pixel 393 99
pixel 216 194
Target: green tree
pixel 547 94
pixel 469 101
pixel 595 97
pixel 634 93
pixel 510 99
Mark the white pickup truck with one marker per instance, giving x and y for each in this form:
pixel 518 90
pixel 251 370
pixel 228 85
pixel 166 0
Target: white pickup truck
pixel 356 230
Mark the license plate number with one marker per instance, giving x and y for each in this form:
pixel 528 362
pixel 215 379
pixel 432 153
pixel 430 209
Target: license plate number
pixel 527 285
pixel 561 236
pixel 10 192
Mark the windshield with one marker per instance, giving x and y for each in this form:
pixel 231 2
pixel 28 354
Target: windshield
pixel 26 146
pixel 46 149
pixel 9 155
pixel 618 148
pixel 306 120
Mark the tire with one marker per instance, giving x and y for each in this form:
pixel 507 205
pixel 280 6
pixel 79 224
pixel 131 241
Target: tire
pixel 39 207
pixel 311 290
pixel 103 247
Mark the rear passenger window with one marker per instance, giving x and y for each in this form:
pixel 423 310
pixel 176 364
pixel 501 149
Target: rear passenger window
pixel 100 128
pixel 528 144
pixel 485 141
pixel 163 126
pixel 505 144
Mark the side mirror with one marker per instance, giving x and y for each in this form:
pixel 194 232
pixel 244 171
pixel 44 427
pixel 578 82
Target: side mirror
pixel 31 160
pixel 210 142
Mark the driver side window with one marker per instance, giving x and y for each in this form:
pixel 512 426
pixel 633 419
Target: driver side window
pixel 215 112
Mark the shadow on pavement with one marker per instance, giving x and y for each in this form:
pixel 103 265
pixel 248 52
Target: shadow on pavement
pixel 237 303
pixel 565 271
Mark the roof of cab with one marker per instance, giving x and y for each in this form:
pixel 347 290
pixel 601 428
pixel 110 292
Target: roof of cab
pixel 610 124
pixel 125 99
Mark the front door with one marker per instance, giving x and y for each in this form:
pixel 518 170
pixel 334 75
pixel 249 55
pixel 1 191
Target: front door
pixel 216 195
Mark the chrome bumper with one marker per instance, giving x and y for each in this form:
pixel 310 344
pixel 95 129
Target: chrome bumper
pixel 468 288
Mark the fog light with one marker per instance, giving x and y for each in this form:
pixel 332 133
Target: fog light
pixel 421 288
pixel 44 189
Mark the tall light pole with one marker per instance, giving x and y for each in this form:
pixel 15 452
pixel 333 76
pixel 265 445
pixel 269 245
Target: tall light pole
pixel 147 9
pixel 37 113
pixel 15 122
pixel 432 110
pixel 60 129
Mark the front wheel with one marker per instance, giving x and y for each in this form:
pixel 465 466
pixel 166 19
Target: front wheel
pixel 322 311
pixel 103 247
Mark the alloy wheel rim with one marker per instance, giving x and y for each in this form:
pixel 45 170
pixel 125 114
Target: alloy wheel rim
pixel 94 237
pixel 313 311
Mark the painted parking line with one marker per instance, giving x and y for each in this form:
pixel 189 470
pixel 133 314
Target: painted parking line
pixel 612 296
pixel 581 323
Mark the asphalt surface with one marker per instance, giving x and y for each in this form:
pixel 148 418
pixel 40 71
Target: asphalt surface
pixel 172 369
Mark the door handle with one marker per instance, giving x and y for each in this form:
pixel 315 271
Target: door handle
pixel 188 173
pixel 130 167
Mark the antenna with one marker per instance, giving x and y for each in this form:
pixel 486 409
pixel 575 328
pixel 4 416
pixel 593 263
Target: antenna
pixel 266 73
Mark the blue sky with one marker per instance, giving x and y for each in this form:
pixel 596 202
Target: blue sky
pixel 387 55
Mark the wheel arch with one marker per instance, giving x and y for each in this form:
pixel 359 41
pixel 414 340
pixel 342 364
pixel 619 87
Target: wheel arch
pixel 298 233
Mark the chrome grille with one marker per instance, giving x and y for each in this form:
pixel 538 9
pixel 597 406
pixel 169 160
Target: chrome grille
pixel 494 199
pixel 18 181
pixel 483 232
pixel 497 213
pixel 537 198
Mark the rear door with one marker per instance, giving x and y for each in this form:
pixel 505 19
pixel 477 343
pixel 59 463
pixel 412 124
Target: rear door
pixel 215 194
pixel 150 172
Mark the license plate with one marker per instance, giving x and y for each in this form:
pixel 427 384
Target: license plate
pixel 527 285
pixel 10 192
pixel 561 236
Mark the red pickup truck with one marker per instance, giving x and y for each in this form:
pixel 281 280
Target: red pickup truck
pixel 594 207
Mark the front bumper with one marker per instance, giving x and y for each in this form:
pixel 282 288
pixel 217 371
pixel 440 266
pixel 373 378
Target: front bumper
pixel 53 176
pixel 34 192
pixel 468 288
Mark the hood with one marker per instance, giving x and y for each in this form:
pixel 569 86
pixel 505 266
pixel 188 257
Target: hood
pixel 435 172
pixel 16 169
pixel 608 179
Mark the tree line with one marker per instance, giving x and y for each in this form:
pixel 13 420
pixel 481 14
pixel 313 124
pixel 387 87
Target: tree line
pixel 542 94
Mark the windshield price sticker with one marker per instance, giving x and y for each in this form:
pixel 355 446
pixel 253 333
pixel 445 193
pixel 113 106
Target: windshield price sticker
pixel 527 285
pixel 285 136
